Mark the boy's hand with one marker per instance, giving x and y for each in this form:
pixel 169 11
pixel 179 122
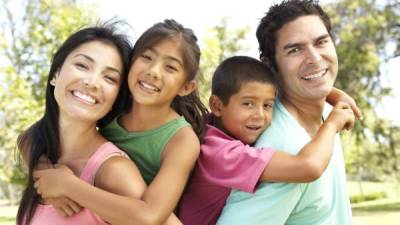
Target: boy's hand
pixel 64 206
pixel 337 96
pixel 341 116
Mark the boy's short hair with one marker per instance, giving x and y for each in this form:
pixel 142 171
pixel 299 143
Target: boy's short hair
pixel 235 71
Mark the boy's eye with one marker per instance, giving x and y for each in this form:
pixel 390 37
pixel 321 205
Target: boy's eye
pixel 248 104
pixel 268 106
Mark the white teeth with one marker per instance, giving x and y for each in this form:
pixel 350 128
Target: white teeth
pixel 84 97
pixel 148 86
pixel 315 75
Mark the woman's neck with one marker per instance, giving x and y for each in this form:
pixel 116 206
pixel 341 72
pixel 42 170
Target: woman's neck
pixel 79 138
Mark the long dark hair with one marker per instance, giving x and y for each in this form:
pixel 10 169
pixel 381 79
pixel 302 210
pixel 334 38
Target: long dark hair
pixel 43 137
pixel 190 106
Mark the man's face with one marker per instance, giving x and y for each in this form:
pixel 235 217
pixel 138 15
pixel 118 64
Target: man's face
pixel 306 59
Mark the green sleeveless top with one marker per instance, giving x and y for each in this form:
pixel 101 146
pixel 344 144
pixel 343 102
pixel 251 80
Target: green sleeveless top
pixel 144 148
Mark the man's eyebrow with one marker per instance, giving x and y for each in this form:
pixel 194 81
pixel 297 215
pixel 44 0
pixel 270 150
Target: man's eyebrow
pixel 293 45
pixel 322 37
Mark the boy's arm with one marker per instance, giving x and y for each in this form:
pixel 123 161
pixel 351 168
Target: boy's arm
pixel 314 157
pixel 337 95
pixel 230 163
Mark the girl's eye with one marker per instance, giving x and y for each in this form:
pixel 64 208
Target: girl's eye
pixel 111 79
pixel 171 68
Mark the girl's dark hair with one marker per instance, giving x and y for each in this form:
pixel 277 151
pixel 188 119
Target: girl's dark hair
pixel 43 137
pixel 279 15
pixel 190 105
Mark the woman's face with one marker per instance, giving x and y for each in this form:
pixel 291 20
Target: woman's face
pixel 87 84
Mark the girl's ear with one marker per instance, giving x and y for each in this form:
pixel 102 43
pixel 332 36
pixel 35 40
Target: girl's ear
pixel 215 105
pixel 187 88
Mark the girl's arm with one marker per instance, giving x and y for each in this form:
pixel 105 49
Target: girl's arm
pixel 337 95
pixel 178 160
pixel 314 157
pixel 116 197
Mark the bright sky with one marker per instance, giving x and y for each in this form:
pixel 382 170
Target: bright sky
pixel 200 15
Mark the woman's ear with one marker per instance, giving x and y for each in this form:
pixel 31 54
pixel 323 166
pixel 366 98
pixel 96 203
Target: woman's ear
pixel 187 88
pixel 53 80
pixel 215 105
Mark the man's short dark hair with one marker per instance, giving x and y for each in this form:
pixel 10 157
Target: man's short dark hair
pixel 233 72
pixel 279 15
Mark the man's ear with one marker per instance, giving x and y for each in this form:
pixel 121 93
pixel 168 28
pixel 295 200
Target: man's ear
pixel 266 60
pixel 215 105
pixel 187 88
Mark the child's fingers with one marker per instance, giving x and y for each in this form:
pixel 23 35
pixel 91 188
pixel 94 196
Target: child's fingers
pixel 73 205
pixel 357 112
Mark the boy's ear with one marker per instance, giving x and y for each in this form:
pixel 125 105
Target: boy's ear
pixel 215 105
pixel 187 88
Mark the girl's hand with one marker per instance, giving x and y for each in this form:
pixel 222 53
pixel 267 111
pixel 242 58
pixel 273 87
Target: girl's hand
pixel 337 96
pixel 50 183
pixel 64 206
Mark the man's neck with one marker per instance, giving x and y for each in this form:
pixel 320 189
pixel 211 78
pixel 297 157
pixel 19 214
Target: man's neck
pixel 307 112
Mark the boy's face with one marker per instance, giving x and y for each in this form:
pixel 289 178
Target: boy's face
pixel 248 112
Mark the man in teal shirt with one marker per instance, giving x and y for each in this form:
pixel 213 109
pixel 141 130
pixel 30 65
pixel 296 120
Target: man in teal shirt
pixel 295 38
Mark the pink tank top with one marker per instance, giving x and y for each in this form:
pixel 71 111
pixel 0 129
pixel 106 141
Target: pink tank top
pixel 47 214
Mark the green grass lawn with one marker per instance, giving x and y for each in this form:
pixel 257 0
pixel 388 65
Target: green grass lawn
pixel 7 220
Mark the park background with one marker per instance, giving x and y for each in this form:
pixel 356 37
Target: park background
pixel 368 45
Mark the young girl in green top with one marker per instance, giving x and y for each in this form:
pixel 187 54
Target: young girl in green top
pixel 160 130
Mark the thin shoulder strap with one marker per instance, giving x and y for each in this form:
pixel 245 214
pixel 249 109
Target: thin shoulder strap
pixel 104 152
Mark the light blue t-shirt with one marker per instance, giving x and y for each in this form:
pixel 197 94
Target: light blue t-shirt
pixel 322 202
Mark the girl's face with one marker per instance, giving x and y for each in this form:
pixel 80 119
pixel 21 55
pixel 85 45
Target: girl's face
pixel 87 84
pixel 158 75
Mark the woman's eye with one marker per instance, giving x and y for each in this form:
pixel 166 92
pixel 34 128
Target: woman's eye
pixel 146 57
pixel 81 66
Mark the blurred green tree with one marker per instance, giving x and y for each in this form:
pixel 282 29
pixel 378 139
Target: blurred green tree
pixel 219 43
pixel 368 36
pixel 28 39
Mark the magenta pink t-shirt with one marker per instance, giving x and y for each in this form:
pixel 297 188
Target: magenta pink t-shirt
pixel 47 214
pixel 224 163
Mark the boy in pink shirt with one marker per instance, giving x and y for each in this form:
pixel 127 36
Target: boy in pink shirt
pixel 243 94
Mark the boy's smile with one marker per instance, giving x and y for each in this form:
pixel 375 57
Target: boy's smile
pixel 248 112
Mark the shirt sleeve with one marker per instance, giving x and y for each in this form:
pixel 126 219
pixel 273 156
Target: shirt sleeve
pixel 232 164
